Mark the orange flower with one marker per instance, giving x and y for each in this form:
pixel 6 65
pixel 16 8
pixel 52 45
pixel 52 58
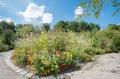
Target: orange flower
pixel 59 53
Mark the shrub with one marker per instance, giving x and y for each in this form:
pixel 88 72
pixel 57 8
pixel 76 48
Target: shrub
pixel 3 47
pixel 116 43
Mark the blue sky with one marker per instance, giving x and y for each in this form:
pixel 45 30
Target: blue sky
pixel 50 11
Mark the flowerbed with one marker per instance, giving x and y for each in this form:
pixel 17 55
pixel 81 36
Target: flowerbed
pixel 55 52
pixel 48 54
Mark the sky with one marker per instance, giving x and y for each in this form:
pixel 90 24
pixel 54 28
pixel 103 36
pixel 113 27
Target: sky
pixel 51 11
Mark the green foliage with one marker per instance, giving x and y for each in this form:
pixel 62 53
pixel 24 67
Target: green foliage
pixel 61 26
pixel 50 52
pixel 8 36
pixel 1 29
pixel 112 27
pixel 45 27
pixel 3 47
pixel 6 25
pixel 7 33
pixel 94 27
pixel 84 26
pixel 95 6
pixel 75 26
pixel 116 43
pixel 23 30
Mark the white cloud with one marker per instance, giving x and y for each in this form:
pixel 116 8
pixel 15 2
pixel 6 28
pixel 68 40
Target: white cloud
pixel 8 19
pixel 32 11
pixel 47 18
pixel 2 4
pixel 79 11
pixel 5 19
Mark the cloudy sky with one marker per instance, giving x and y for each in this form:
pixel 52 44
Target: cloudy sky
pixel 50 11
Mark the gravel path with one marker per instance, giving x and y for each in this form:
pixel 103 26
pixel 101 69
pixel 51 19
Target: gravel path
pixel 106 66
pixel 5 71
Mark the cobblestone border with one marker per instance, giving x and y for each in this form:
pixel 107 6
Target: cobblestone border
pixel 17 69
pixel 32 76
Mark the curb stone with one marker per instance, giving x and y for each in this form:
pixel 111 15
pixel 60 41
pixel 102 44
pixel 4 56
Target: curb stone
pixel 32 76
pixel 17 69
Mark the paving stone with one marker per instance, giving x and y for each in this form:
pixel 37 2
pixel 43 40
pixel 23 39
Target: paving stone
pixel 22 72
pixel 75 72
pixel 60 76
pixel 18 70
pixel 51 78
pixel 28 75
pixel 68 74
pixel 6 60
pixel 35 77
pixel 12 66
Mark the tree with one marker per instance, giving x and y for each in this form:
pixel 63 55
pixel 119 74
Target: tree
pixel 8 37
pixel 112 27
pixel 11 26
pixel 19 26
pixel 24 30
pixel 61 25
pixel 84 26
pixel 118 27
pixel 45 27
pixel 6 25
pixel 73 25
pixel 95 6
pixel 94 26
pixel 1 29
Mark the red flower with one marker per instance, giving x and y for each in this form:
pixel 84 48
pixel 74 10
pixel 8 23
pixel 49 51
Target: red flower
pixel 61 65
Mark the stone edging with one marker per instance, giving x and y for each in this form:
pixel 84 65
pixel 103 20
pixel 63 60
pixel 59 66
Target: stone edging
pixel 32 76
pixel 17 69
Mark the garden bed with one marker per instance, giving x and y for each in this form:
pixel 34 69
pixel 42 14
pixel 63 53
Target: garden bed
pixel 54 53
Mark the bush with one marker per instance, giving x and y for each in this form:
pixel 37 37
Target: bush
pixel 116 43
pixel 3 47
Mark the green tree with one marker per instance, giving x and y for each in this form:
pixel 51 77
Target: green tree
pixel 74 26
pixel 24 30
pixel 45 26
pixel 118 27
pixel 61 25
pixel 112 27
pixel 95 6
pixel 8 37
pixel 11 26
pixel 19 26
pixel 94 27
pixel 6 25
pixel 84 26
pixel 1 29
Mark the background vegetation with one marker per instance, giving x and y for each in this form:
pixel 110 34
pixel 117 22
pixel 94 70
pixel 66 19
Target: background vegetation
pixel 65 46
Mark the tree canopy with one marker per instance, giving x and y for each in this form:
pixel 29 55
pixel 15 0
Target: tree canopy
pixel 75 26
pixel 95 6
pixel 45 26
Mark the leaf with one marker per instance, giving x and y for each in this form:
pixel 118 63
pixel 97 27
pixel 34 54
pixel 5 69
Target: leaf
pixel 116 11
pixel 82 3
